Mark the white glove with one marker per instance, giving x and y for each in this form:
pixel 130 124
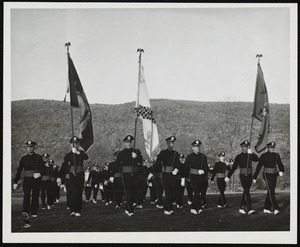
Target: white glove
pixel 150 184
pixel 174 172
pixel 254 181
pixel 36 175
pixel 88 185
pixel 280 174
pixel 101 187
pixel 249 151
pixel 134 155
pixel 226 179
pixel 111 179
pixel 182 182
pixel 96 186
pixel 210 167
pixel 15 186
pixel 200 172
pixel 150 176
pixel 63 187
pixel 105 183
pixel 58 181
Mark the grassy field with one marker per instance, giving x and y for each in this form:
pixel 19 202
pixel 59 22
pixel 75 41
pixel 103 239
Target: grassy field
pixel 101 218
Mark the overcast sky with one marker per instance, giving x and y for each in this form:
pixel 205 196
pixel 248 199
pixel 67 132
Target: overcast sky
pixel 201 54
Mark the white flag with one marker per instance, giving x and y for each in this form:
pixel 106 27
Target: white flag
pixel 145 112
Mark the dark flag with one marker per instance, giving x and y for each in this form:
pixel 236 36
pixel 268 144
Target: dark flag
pixel 78 99
pixel 261 110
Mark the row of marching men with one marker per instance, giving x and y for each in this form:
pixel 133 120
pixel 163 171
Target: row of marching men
pixel 164 174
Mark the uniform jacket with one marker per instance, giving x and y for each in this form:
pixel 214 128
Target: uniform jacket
pixel 167 158
pixel 269 160
pixel 197 161
pixel 69 162
pixel 29 162
pixel 124 158
pixel 241 161
pixel 219 167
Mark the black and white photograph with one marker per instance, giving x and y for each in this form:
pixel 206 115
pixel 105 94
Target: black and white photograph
pixel 150 123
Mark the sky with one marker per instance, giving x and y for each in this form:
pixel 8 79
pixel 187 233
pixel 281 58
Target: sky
pixel 199 54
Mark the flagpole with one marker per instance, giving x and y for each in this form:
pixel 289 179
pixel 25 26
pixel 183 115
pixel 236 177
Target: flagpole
pixel 258 63
pixel 138 93
pixel 72 121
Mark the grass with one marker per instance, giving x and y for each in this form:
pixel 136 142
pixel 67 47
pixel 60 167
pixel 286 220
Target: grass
pixel 101 218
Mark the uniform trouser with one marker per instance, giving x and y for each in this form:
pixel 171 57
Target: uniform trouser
pixel 189 189
pixel 108 192
pixel 159 190
pixel 46 191
pixel 95 188
pixel 270 180
pixel 31 188
pixel 140 189
pixel 246 182
pixel 199 183
pixel 69 192
pixel 221 185
pixel 76 188
pixel 145 188
pixel 168 181
pixel 87 192
pixel 153 193
pixel 130 182
pixel 118 190
pixel 56 190
pixel 179 192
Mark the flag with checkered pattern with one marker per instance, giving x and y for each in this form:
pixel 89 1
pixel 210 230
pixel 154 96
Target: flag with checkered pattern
pixel 144 111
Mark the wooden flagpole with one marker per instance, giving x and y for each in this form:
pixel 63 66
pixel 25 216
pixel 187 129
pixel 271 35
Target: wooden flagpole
pixel 72 121
pixel 258 62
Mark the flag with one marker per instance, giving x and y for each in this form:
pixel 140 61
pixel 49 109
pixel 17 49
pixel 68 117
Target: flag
pixel 261 110
pixel 78 99
pixel 145 112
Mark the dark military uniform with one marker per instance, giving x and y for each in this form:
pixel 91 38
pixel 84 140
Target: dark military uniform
pixel 46 184
pixel 157 178
pixel 199 182
pixel 30 163
pixel 55 187
pixel 272 164
pixel 130 176
pixel 87 185
pixel 219 171
pixel 94 180
pixel 188 183
pixel 151 184
pixel 118 189
pixel 105 174
pixel 245 175
pixel 169 161
pixel 179 188
pixel 76 177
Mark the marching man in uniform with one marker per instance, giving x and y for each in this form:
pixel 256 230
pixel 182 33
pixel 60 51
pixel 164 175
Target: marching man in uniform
pixel 273 167
pixel 74 159
pixel 46 184
pixel 31 163
pixel 219 171
pixel 168 159
pixel 198 173
pixel 129 159
pixel 242 160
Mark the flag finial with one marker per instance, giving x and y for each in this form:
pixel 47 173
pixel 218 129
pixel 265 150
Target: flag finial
pixel 67 45
pixel 259 56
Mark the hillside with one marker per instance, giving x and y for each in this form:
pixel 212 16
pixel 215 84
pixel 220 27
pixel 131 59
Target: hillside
pixel 221 126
